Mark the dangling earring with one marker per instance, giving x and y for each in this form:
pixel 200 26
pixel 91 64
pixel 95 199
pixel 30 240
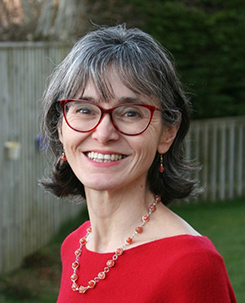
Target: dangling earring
pixel 161 167
pixel 63 157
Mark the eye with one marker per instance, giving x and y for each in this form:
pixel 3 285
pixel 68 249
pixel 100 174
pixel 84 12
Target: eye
pixel 83 110
pixel 78 108
pixel 130 112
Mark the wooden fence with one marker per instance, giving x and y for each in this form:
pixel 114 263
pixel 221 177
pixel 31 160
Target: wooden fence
pixel 28 216
pixel 219 145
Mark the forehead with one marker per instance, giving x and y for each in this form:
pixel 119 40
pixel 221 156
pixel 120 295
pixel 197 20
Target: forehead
pixel 114 85
pixel 118 92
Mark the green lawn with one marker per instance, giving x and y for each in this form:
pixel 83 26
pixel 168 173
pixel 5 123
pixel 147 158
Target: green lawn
pixel 38 279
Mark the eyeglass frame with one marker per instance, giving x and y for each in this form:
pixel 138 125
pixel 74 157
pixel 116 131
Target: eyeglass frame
pixel 109 111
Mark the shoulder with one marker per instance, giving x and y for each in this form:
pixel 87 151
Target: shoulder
pixel 191 251
pixel 185 268
pixel 195 253
pixel 181 253
pixel 185 247
pixel 197 268
pixel 187 258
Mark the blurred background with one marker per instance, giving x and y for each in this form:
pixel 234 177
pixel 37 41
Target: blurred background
pixel 206 40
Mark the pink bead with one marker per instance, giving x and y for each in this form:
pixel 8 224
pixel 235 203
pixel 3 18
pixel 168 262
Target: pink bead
pixel 78 252
pixel 82 289
pixel 139 229
pixel 75 265
pixel 158 199
pixel 91 284
pixel 101 275
pixel 83 241
pixel 153 207
pixel 110 263
pixel 74 277
pixel 129 240
pixel 145 218
pixel 119 251
pixel 74 286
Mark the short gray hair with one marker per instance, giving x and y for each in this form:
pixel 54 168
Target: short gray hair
pixel 145 67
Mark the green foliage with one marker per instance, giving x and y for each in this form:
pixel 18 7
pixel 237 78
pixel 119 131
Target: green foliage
pixel 16 291
pixel 206 40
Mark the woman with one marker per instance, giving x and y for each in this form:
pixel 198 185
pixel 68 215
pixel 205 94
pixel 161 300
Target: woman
pixel 115 116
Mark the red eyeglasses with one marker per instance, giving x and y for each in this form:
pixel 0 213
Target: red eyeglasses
pixel 129 118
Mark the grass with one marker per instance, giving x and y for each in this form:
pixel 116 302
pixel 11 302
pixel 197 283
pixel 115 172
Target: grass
pixel 37 281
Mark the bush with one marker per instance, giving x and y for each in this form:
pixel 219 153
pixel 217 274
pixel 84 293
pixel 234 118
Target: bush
pixel 205 38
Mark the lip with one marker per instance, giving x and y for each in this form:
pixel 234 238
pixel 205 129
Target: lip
pixel 107 158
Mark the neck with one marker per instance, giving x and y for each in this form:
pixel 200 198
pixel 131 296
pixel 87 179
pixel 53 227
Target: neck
pixel 114 215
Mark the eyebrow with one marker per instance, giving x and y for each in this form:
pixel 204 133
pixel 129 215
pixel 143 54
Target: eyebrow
pixel 91 99
pixel 121 100
pixel 130 100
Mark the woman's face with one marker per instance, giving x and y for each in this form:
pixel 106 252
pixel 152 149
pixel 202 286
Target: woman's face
pixel 128 158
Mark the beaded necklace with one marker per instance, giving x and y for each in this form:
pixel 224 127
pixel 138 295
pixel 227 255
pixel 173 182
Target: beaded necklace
pixel 111 262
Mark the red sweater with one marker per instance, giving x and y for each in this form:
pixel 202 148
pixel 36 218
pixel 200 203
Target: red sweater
pixel 180 269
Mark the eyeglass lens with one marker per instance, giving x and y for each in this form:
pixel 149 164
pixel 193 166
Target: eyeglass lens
pixel 129 119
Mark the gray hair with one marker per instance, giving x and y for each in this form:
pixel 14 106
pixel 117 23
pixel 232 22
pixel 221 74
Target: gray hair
pixel 144 67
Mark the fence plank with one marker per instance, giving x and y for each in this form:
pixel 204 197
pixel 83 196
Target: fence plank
pixel 231 160
pixel 222 170
pixel 240 159
pixel 222 143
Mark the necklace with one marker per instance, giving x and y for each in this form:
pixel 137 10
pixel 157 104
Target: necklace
pixel 111 262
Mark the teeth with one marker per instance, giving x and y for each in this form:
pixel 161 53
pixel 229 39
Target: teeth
pixel 98 157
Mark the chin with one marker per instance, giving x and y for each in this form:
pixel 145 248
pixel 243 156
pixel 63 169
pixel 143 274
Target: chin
pixel 100 185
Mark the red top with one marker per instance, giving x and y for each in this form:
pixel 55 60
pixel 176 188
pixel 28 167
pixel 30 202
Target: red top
pixel 180 269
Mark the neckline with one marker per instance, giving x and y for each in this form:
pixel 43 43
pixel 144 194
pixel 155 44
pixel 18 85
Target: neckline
pixel 146 244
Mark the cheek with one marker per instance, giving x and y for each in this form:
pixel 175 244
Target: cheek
pixel 65 132
pixel 154 135
pixel 71 139
pixel 147 146
pixel 152 141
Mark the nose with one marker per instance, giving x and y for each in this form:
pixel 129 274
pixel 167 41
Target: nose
pixel 105 131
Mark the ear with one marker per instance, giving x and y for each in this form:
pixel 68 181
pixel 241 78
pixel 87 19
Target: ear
pixel 167 138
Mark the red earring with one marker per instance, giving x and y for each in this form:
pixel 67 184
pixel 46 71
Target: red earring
pixel 161 167
pixel 63 157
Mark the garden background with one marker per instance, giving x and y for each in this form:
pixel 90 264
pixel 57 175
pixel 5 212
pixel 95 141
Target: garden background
pixel 206 41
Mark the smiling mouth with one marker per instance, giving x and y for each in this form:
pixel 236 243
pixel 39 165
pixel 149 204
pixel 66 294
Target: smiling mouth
pixel 104 158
